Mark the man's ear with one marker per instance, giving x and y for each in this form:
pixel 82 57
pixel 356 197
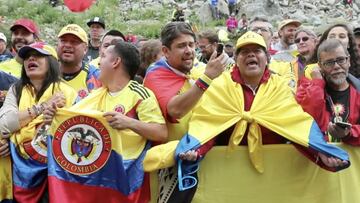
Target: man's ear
pixel 117 62
pixel 165 51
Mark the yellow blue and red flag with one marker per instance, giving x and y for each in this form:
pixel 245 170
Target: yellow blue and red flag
pixel 29 148
pixel 89 161
pixel 222 106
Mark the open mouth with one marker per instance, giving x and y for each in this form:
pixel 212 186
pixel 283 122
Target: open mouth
pixel 32 66
pixel 251 62
pixel 68 52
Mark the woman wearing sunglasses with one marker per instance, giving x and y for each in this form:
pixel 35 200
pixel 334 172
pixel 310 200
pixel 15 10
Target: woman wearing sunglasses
pixel 21 119
pixel 305 41
pixel 345 35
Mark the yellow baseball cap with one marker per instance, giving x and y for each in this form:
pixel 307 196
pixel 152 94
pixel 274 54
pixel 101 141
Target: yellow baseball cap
pixel 40 47
pixel 74 30
pixel 250 38
pixel 288 22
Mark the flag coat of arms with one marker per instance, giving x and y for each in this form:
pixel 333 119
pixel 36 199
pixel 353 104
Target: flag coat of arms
pixel 89 161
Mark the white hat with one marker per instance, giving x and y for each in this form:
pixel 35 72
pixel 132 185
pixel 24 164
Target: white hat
pixel 2 37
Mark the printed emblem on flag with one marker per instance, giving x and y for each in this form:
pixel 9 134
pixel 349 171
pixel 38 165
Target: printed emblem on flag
pixel 37 147
pixel 82 145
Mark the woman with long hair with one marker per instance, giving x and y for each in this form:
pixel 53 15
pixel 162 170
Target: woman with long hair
pixel 21 119
pixel 343 33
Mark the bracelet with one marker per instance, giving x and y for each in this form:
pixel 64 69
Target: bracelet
pixel 203 82
pixel 42 107
pixel 35 108
pixel 206 79
pixel 29 112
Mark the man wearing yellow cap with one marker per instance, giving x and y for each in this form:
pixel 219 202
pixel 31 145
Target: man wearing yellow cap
pixel 178 87
pixel 248 106
pixel 71 49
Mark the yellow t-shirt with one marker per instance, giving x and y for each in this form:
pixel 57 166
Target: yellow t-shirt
pixel 135 101
pixel 85 81
pixel 11 67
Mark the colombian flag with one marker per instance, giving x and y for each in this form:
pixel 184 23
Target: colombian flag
pixel 222 106
pixel 29 148
pixel 89 161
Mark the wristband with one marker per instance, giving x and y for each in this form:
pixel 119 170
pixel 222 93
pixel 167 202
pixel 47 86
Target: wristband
pixel 203 82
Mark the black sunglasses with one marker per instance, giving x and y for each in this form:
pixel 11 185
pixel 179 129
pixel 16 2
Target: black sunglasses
pixel 304 39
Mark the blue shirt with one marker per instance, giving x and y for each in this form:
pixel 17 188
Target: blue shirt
pixel 214 2
pixel 6 80
pixel 6 56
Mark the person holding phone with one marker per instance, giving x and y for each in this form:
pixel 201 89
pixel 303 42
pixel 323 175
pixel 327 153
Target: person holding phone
pixel 208 43
pixel 333 96
pixel 178 88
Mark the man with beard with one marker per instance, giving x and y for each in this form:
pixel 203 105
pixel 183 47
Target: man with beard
pixel 286 47
pixel 71 49
pixel 207 43
pixel 333 97
pixel 178 87
pixel 23 32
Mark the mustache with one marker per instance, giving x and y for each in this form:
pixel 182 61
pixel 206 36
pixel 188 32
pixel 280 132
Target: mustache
pixel 20 41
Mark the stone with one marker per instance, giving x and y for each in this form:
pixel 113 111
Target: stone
pixel 330 2
pixel 309 6
pixel 204 14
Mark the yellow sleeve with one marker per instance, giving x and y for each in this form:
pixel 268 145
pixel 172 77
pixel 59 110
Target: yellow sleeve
pixel 309 68
pixel 149 111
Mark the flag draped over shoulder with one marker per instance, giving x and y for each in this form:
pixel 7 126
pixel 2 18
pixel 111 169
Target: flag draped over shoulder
pixel 89 161
pixel 274 107
pixel 28 146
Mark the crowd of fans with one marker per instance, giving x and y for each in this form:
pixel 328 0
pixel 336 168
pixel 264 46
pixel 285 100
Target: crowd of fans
pixel 165 90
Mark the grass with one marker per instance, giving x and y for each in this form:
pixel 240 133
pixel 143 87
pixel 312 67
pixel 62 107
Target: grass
pixel 146 22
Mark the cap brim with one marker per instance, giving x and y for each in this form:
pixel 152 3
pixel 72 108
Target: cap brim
pixel 294 22
pixel 247 43
pixel 72 33
pixel 92 22
pixel 19 25
pixel 24 50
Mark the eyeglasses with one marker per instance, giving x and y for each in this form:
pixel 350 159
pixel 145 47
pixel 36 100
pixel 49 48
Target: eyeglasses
pixel 204 46
pixel 186 180
pixel 339 60
pixel 304 39
pixel 262 29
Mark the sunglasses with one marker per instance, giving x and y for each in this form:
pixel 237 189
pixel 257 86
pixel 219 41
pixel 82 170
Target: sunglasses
pixel 304 39
pixel 185 178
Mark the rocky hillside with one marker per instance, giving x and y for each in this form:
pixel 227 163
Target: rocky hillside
pixel 146 17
